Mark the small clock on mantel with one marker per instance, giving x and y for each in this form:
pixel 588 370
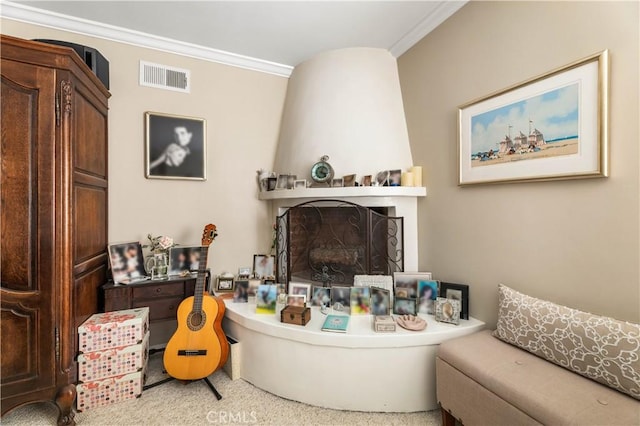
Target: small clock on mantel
pixel 322 172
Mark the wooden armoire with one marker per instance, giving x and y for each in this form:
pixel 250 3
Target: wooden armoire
pixel 53 218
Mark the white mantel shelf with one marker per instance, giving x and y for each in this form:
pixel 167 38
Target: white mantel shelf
pixel 345 192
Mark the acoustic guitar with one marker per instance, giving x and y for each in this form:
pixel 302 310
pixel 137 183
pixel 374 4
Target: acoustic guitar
pixel 198 347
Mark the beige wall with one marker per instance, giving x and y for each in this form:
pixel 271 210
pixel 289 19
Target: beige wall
pixel 242 109
pixel 575 242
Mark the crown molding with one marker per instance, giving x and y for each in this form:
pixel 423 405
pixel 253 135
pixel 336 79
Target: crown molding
pixel 444 10
pixel 31 15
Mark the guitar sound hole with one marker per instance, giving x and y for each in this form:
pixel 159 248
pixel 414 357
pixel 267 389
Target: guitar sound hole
pixel 196 320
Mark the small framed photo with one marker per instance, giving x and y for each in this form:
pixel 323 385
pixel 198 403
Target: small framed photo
pixel 379 281
pixel 253 286
pixel 264 266
pixel 360 300
pixel 458 292
pixel 266 299
pixel 291 181
pixel 341 299
pixel 406 283
pixel 224 284
pixel 321 296
pixel 380 301
pixel 296 300
pixel 447 310
pixel 241 292
pixel 395 177
pixel 300 184
pixel 349 180
pixel 282 181
pixel 244 272
pixel 336 182
pixel 404 306
pixel 366 180
pixel 127 262
pixel 175 147
pixel 300 288
pixel 184 260
pixel 427 293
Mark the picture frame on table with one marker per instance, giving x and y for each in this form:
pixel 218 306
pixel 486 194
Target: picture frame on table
pixel 264 266
pixel 559 124
pixel 225 284
pixel 300 184
pixel 282 181
pixel 244 272
pixel 404 306
pixel 184 260
pixel 406 283
pixel 254 283
pixel 349 180
pixel 458 292
pixel 360 300
pixel 447 310
pixel 241 291
pixel 300 288
pixel 175 147
pixel 127 262
pixel 427 293
pixel 321 296
pixel 266 299
pixel 336 182
pixel 380 301
pixel 341 299
pixel 296 300
pixel 379 281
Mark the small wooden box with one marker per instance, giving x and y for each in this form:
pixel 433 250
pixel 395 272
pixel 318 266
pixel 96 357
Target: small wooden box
pixel 297 315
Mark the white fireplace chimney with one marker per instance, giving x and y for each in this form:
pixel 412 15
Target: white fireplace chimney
pixel 346 104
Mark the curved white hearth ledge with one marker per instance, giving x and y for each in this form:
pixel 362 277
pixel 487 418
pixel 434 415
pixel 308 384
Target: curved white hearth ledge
pixel 360 370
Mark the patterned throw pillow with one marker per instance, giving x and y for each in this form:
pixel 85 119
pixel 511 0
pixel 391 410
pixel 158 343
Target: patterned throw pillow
pixel 600 348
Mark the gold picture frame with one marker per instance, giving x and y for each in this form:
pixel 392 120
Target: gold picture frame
pixel 564 114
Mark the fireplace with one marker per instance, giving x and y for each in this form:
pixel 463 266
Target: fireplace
pixel 328 242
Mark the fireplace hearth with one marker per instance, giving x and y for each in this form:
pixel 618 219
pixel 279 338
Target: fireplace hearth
pixel 328 242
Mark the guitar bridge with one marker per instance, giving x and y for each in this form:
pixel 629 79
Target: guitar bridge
pixel 192 352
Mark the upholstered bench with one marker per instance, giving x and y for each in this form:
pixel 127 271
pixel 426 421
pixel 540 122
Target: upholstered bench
pixel 584 369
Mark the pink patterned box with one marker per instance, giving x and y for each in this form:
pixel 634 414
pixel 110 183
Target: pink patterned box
pixel 112 362
pixel 113 329
pixel 110 390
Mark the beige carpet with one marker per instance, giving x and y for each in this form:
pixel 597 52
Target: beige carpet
pixel 174 403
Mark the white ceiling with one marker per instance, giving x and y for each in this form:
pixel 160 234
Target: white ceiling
pixel 281 32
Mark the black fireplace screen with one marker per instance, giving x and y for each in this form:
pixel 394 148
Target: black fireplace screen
pixel 328 242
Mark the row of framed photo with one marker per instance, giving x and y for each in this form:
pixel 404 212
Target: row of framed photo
pixel 128 263
pixel 358 300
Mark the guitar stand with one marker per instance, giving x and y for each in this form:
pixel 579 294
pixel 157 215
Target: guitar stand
pixel 169 379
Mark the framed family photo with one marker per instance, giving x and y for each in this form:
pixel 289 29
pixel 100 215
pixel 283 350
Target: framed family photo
pixel 458 292
pixel 184 259
pixel 175 147
pixel 127 262
pixel 550 127
pixel 264 266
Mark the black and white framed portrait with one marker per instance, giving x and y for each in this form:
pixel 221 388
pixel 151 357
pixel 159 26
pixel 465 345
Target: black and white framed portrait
pixel 175 147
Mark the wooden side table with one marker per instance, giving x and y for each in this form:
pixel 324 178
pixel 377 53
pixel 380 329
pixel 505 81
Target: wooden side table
pixel 161 296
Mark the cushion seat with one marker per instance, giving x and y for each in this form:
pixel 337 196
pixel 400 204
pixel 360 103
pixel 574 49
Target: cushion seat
pixel 547 393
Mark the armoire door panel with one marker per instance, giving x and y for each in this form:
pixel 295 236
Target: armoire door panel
pixel 90 230
pixel 87 293
pixel 90 132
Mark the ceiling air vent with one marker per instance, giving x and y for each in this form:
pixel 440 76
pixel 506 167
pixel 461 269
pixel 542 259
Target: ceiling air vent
pixel 165 77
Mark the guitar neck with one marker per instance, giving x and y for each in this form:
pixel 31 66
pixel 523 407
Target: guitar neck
pixel 200 280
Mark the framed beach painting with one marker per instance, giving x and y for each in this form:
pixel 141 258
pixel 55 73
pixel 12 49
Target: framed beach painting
pixel 550 127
